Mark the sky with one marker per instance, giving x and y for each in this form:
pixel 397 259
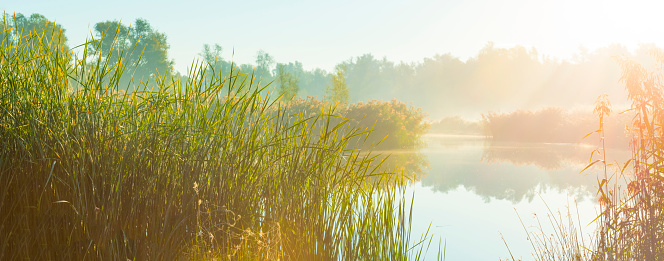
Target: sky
pixel 321 34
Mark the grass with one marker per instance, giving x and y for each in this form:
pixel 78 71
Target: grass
pixel 191 168
pixel 557 238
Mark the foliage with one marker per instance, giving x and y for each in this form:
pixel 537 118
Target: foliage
pixel 631 224
pixel 401 125
pixel 217 69
pixel 264 62
pixel 338 92
pixel 288 82
pixel 493 78
pixel 139 48
pixel 314 82
pixel 22 28
pixel 553 125
pixel 521 125
pixel 181 171
pixel 211 54
pixel 394 125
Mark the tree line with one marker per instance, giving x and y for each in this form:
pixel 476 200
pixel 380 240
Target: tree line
pixel 443 85
pixel 497 79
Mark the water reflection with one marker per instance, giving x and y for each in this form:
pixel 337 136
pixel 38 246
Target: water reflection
pixel 471 189
pixel 509 171
pixel 412 163
pixel 541 155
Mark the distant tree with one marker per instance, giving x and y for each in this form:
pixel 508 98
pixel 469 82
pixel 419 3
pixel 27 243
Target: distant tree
pixel 288 82
pixel 211 54
pixel 314 83
pixel 363 76
pixel 338 91
pixel 264 62
pixel 37 29
pixel 140 47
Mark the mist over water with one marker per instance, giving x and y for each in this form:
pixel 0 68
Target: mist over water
pixel 473 189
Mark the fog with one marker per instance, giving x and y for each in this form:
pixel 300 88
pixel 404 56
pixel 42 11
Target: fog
pixel 496 79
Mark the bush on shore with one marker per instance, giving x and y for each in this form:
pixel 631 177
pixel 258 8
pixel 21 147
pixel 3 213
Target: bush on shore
pixel 393 124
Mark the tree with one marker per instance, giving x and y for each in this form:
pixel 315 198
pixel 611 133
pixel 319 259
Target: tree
pixel 143 49
pixel 264 62
pixel 338 92
pixel 314 83
pixel 288 86
pixel 212 54
pixel 35 29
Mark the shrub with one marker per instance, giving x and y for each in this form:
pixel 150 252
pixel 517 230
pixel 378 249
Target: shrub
pixel 393 124
pixel 401 126
pixel 553 125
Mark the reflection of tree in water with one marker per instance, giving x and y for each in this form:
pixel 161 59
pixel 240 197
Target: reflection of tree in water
pixel 513 172
pixel 411 163
pixel 544 156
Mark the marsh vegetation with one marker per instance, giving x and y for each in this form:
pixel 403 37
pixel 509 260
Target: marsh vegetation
pixel 206 166
pixel 107 152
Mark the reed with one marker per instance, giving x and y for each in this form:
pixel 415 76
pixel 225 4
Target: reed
pixel 630 225
pixel 182 168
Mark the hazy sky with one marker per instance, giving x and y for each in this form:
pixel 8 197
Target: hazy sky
pixel 322 34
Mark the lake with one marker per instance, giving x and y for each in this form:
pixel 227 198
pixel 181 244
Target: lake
pixel 472 189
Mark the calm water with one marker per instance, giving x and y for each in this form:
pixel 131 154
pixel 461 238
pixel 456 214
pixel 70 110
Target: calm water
pixel 472 190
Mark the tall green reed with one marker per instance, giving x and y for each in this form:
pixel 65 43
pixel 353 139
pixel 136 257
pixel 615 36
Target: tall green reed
pixel 191 168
